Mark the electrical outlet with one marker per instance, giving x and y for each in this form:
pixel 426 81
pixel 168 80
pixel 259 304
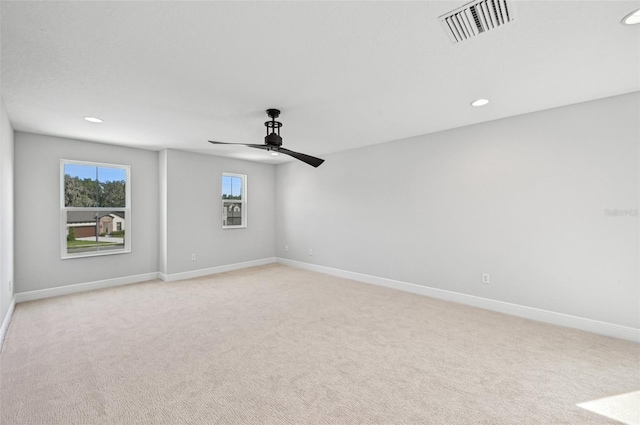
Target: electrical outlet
pixel 486 278
pixel 310 251
pixel 193 257
pixel 286 248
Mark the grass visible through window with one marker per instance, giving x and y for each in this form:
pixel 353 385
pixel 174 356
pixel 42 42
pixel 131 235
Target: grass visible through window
pixel 77 243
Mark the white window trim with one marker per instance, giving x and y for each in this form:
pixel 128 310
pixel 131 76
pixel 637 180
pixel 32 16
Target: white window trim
pixel 243 201
pixel 64 209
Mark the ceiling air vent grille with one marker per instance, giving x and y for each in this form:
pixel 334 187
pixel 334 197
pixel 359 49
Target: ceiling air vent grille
pixel 475 18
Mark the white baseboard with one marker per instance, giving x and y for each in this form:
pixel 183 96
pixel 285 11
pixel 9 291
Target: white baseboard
pixel 126 280
pixel 5 322
pixel 560 319
pixel 82 287
pixel 213 270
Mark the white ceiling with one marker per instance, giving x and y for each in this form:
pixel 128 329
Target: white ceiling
pixel 345 74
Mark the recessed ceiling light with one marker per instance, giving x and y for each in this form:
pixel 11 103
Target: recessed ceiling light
pixel 93 119
pixel 275 153
pixel 479 102
pixel 632 18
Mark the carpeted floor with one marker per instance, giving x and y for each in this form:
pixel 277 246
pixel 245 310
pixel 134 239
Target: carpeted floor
pixel 280 345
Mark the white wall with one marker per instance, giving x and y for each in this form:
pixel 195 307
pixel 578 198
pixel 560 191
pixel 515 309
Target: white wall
pixel 521 198
pixel 194 213
pixel 37 205
pixel 6 212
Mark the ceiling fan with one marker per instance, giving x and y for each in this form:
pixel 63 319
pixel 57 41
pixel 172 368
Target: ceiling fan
pixel 273 141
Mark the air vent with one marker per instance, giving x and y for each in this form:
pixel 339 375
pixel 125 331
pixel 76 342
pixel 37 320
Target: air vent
pixel 475 18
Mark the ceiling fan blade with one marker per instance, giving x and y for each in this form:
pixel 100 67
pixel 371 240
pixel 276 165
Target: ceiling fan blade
pixel 237 144
pixel 265 147
pixel 311 160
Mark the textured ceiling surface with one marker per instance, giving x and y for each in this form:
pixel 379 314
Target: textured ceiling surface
pixel 345 74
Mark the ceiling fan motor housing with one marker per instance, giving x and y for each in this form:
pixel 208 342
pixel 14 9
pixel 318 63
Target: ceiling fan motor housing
pixel 273 139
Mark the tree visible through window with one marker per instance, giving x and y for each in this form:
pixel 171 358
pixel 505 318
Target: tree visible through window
pixel 94 209
pixel 234 200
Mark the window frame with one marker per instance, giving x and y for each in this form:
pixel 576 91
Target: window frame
pixel 243 201
pixel 65 209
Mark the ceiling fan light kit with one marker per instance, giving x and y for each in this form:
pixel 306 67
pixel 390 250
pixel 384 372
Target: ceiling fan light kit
pixel 480 102
pixel 273 141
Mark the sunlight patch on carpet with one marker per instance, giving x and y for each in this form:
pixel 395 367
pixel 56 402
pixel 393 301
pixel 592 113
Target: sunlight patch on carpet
pixel 623 407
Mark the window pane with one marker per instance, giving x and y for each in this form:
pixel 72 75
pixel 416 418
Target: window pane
pixel 112 187
pixel 92 186
pixel 236 188
pixel 232 214
pixel 226 187
pixel 231 187
pixel 80 185
pixel 91 231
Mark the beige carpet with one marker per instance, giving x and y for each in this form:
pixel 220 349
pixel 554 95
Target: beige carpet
pixel 280 345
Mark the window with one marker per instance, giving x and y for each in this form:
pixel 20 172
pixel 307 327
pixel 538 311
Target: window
pixel 234 200
pixel 95 213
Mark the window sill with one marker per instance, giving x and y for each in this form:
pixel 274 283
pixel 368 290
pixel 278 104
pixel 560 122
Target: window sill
pixel 95 254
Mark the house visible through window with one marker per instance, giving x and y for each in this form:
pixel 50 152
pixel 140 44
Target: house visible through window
pixel 234 200
pixel 95 213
